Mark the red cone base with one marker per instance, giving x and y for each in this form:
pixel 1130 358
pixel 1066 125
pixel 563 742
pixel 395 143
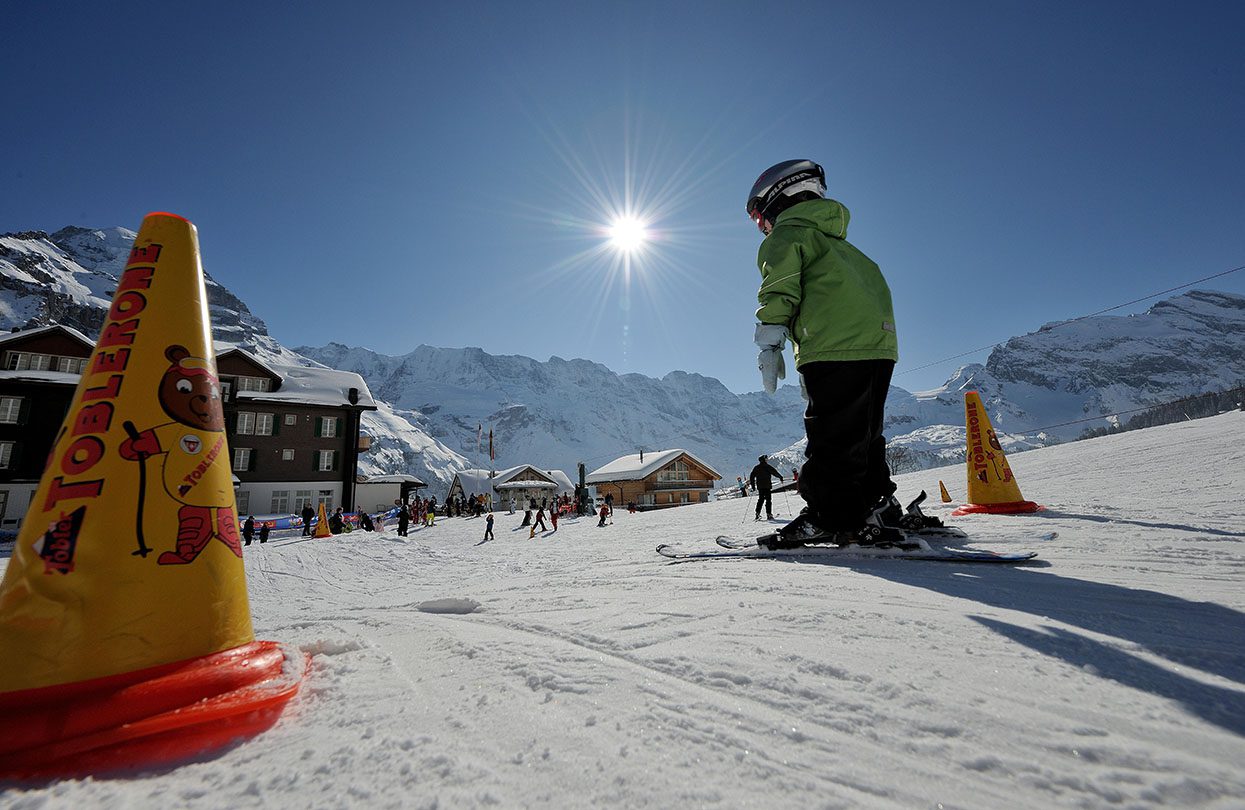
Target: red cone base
pixel 151 717
pixel 1012 508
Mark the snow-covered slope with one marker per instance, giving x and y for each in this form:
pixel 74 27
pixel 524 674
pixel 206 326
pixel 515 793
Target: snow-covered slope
pixel 579 669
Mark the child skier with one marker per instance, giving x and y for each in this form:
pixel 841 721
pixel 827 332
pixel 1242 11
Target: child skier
pixel 832 302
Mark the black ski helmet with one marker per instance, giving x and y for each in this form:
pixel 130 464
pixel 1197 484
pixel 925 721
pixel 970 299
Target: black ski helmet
pixel 772 191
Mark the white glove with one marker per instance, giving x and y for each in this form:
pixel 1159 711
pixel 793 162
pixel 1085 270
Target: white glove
pixel 770 338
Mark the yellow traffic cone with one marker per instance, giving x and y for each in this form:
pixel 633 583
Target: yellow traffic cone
pixel 946 496
pixel 322 523
pixel 992 488
pixel 125 628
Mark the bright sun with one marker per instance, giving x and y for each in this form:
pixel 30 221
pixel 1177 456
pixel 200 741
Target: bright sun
pixel 627 234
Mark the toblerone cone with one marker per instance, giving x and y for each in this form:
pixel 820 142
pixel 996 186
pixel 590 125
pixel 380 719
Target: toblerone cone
pixel 992 488
pixel 942 490
pixel 127 575
pixel 322 523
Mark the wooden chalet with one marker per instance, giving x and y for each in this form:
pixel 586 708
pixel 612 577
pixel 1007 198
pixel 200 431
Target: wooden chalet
pixel 39 372
pixel 293 432
pixel 517 484
pixel 655 480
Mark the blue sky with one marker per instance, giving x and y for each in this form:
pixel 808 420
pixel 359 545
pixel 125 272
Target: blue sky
pixel 388 175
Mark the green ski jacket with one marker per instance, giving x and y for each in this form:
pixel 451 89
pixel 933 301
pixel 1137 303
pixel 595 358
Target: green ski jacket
pixel 831 297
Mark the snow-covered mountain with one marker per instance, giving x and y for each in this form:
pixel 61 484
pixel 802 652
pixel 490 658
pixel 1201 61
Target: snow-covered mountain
pixel 557 413
pixel 1040 388
pixel 68 277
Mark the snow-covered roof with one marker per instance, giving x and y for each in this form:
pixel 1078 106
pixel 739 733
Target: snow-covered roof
pixel 61 377
pixel 634 467
pixel 478 480
pixel 39 330
pixel 524 485
pixel 564 481
pixel 391 479
pixel 223 349
pixel 313 386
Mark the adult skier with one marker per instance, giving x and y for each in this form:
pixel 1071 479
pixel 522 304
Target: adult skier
pixel 761 481
pixel 404 519
pixel 831 301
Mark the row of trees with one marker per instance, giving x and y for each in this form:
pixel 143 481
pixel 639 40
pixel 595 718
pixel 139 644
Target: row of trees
pixel 1194 407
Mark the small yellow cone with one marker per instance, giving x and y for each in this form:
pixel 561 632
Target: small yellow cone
pixel 992 488
pixel 946 496
pixel 322 523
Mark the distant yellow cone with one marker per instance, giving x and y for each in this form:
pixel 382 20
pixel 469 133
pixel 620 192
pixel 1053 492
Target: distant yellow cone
pixel 942 488
pixel 128 565
pixel 322 523
pixel 991 486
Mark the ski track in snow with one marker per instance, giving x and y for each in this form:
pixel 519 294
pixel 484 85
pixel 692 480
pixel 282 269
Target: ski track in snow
pixel 581 669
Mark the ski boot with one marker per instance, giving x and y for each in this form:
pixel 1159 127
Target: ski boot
pixel 799 532
pixel 912 520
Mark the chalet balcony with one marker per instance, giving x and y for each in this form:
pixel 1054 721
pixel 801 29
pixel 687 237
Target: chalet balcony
pixel 664 485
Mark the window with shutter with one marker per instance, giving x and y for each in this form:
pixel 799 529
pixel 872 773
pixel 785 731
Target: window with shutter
pixel 246 423
pixel 10 410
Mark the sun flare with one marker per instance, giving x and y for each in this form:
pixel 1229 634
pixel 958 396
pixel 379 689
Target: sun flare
pixel 628 234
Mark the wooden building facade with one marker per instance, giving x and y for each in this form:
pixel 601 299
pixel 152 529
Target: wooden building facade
pixel 655 480
pixel 293 433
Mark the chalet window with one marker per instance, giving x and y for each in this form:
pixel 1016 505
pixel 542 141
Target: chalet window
pixel 26 361
pixel 241 459
pixel 4 502
pixel 263 424
pixel 10 410
pixel 6 455
pixel 675 472
pixel 281 501
pixel 72 365
pixel 287 454
pixel 253 383
pixel 226 388
pixel 326 460
pixel 302 497
pixel 291 419
pixel 244 503
pixel 246 423
pixel 327 427
pixel 325 496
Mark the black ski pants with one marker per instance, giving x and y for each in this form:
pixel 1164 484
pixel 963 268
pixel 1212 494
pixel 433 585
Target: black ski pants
pixel 763 499
pixel 845 473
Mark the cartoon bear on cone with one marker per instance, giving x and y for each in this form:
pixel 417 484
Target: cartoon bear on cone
pixel 190 395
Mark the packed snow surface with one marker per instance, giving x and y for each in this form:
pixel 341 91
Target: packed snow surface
pixel 580 669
